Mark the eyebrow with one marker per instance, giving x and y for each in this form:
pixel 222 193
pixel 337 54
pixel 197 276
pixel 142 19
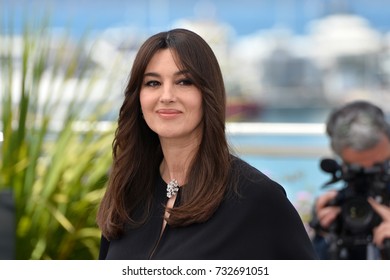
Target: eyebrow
pixel 178 73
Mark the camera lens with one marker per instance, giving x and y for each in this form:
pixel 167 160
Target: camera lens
pixel 357 215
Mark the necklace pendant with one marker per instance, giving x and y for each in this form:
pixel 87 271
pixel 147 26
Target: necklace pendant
pixel 172 188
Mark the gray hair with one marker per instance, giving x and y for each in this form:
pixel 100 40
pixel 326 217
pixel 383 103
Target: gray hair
pixel 358 125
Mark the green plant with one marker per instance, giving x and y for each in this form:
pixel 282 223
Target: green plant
pixel 56 168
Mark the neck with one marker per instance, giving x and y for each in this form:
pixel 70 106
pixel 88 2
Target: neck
pixel 177 159
pixel 173 170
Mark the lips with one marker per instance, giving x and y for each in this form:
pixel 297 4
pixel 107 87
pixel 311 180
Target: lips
pixel 168 113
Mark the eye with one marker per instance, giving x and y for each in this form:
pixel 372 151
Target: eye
pixel 185 82
pixel 152 83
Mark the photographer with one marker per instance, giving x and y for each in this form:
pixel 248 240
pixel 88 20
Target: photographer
pixel 360 137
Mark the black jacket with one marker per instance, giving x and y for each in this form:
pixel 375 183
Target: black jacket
pixel 259 224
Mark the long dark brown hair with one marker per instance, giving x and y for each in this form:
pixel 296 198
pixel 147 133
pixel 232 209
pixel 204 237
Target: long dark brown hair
pixel 137 151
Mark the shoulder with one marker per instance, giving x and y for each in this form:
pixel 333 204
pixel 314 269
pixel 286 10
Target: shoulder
pixel 251 181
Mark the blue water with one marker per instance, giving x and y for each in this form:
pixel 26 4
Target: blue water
pixel 296 175
pixel 280 140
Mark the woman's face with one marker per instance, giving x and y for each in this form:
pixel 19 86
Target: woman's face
pixel 171 104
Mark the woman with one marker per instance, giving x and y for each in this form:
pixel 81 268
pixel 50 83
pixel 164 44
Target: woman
pixel 175 190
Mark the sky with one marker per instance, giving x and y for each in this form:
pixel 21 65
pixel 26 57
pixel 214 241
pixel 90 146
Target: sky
pixel 245 16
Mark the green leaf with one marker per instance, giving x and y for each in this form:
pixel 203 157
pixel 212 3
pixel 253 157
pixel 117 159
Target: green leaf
pixel 53 154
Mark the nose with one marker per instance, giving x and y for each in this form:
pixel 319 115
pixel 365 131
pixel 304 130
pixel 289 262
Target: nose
pixel 167 94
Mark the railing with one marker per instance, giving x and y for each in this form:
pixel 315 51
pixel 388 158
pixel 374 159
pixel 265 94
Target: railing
pixel 309 139
pixel 275 128
pixel 236 131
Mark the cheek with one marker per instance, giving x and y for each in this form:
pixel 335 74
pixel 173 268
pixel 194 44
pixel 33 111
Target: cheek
pixel 197 103
pixel 145 101
pixel 200 109
pixel 147 107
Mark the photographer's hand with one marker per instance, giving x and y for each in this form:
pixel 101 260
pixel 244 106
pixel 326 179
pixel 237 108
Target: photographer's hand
pixel 382 231
pixel 326 214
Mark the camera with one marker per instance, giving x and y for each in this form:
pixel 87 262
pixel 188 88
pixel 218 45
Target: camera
pixel 354 225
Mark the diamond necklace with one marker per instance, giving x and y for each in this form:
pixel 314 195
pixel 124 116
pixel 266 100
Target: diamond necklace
pixel 172 188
